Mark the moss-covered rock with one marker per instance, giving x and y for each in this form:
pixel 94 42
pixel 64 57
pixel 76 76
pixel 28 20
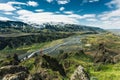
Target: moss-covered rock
pixel 12 70
pixel 17 76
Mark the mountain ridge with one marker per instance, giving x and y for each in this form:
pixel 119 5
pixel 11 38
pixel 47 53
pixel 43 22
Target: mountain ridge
pixel 17 27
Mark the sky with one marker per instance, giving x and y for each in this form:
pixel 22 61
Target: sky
pixel 97 13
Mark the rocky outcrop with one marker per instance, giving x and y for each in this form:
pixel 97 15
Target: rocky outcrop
pixel 79 74
pixel 44 75
pixel 53 64
pixel 116 58
pixel 16 76
pixel 21 73
pixel 105 55
pixel 13 72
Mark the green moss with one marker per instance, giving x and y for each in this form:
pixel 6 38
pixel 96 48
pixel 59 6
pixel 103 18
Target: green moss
pixel 106 75
pixel 105 72
pixel 29 64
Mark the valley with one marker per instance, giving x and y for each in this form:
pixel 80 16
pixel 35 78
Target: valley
pixel 54 49
pixel 59 52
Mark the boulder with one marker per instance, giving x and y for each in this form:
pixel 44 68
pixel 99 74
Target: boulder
pixel 79 74
pixel 116 58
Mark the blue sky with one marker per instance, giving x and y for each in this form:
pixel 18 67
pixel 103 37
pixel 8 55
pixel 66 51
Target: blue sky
pixel 98 13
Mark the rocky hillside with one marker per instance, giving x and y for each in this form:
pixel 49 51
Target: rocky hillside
pixel 17 40
pixel 44 67
pixel 100 60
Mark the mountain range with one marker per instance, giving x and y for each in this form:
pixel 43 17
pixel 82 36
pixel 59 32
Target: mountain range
pixel 17 27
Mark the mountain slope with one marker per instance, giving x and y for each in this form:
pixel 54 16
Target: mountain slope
pixel 15 27
pixel 71 28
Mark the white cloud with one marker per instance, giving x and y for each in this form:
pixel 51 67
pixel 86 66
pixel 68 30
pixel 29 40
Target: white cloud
pixel 91 19
pixel 89 16
pixel 93 1
pixel 8 13
pixel 49 1
pixel 19 3
pixel 115 19
pixel 114 13
pixel 110 19
pixel 6 7
pixel 110 14
pixel 4 18
pixel 110 24
pixel 82 17
pixel 17 7
pixel 113 3
pixel 24 12
pixel 60 2
pixel 32 3
pixel 89 1
pixel 75 16
pixel 63 1
pixel 39 10
pixel 68 12
pixel 9 6
pixel 61 8
pixel 43 17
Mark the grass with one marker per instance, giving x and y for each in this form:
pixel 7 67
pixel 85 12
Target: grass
pixel 99 71
pixel 29 64
pixel 53 43
pixel 75 59
pixel 33 47
pixel 110 40
pixel 106 75
pixel 28 48
pixel 5 52
pixel 107 71
pixel 14 34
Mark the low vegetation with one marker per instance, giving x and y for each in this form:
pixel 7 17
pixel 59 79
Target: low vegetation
pixel 100 63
